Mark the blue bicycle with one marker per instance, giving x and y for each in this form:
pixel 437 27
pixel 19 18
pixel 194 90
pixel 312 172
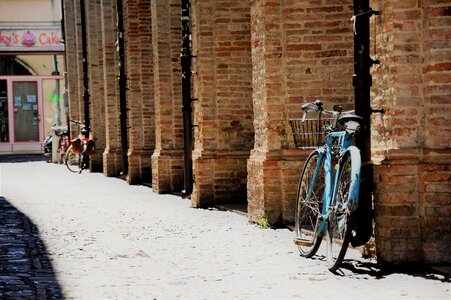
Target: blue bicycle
pixel 329 186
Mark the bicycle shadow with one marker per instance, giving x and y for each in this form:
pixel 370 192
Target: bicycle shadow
pixel 26 271
pixel 366 268
pixel 350 267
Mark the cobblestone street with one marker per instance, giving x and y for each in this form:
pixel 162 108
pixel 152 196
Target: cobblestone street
pixel 85 236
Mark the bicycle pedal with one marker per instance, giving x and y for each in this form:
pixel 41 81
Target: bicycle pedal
pixel 302 242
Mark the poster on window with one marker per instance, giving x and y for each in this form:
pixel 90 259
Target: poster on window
pixel 17 101
pixel 26 106
pixel 31 98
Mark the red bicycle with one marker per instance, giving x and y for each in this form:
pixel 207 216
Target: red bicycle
pixel 77 154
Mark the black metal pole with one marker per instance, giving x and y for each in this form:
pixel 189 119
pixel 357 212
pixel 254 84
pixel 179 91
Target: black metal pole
pixel 85 67
pixel 85 77
pixel 362 82
pixel 122 79
pixel 186 101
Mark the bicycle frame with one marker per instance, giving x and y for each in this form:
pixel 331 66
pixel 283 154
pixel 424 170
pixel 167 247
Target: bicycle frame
pixel 331 176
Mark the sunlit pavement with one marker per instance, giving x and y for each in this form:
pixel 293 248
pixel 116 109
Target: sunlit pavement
pixel 106 239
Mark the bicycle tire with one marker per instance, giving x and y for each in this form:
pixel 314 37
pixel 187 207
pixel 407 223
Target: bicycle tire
pixel 73 161
pixel 338 229
pixel 61 150
pixel 308 210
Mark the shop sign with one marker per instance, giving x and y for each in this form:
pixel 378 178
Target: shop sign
pixel 31 39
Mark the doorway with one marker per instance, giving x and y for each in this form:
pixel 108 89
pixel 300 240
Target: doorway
pixel 26 111
pixel 4 121
pixel 21 103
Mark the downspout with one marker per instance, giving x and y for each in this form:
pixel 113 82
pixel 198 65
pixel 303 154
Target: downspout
pixel 57 98
pixel 362 82
pixel 122 80
pixel 85 70
pixel 186 101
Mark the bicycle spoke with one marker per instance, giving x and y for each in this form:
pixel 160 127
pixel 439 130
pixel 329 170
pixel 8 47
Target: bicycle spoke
pixel 309 205
pixel 338 238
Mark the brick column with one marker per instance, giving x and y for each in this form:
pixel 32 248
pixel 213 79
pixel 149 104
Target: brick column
pixel 223 112
pixel 167 160
pixel 112 155
pixel 139 99
pixel 412 139
pixel 301 51
pixel 73 58
pixel 96 84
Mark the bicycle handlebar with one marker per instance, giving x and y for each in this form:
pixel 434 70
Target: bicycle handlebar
pixel 76 122
pixel 317 106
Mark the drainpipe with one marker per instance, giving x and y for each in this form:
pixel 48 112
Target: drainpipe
pixel 57 91
pixel 362 82
pixel 186 101
pixel 122 80
pixel 85 68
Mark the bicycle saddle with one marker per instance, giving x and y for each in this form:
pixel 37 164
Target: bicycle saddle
pixel 350 121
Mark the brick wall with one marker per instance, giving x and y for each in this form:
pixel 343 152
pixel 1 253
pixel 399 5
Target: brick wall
pixel 167 160
pixel 74 61
pixel 411 141
pixel 223 112
pixel 137 22
pixel 112 163
pixel 302 50
pixel 96 84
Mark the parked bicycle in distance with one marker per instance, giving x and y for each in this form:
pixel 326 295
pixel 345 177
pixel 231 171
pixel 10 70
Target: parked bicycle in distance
pixel 63 143
pixel 77 155
pixel 329 186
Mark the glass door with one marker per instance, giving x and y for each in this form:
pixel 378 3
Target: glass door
pixel 4 120
pixel 26 111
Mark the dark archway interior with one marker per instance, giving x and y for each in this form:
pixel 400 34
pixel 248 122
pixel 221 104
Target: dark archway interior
pixel 10 66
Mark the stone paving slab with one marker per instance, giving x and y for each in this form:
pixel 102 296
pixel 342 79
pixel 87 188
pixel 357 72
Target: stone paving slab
pixel 108 240
pixel 25 269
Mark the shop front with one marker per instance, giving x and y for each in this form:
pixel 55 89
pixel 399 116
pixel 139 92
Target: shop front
pixel 31 87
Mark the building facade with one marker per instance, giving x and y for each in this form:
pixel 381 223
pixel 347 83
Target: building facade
pixel 255 63
pixel 31 68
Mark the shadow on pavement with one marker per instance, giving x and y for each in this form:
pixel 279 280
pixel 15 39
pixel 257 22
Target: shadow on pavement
pixel 25 269
pixel 20 158
pixel 377 271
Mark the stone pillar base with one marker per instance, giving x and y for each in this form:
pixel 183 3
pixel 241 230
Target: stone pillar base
pixel 412 208
pixel 96 161
pixel 219 178
pixel 139 166
pixel 272 183
pixel 167 171
pixel 112 162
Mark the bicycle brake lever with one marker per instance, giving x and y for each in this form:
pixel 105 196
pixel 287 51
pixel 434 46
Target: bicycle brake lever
pixel 305 106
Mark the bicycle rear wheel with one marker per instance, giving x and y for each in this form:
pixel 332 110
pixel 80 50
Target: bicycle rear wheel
pixel 309 205
pixel 73 161
pixel 338 231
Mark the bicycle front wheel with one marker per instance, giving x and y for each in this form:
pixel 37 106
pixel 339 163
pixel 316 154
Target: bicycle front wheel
pixel 338 231
pixel 309 205
pixel 73 161
pixel 61 150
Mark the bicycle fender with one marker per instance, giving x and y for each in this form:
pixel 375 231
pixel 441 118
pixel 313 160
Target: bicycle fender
pixel 356 163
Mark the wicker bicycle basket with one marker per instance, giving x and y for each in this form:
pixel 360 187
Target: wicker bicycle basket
pixel 310 133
